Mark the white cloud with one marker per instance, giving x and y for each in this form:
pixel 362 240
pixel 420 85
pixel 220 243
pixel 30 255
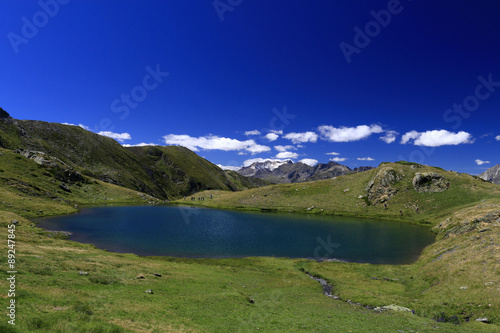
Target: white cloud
pixel 332 153
pixel 117 136
pixel 285 148
pixel 257 149
pixel 228 167
pixel 79 125
pixel 479 162
pixel 365 159
pixel 249 162
pixel 280 132
pixel 338 159
pixel 254 132
pixel 347 134
pixel 213 142
pixel 409 136
pixel 497 137
pixel 309 161
pixel 272 136
pixel 437 138
pixel 389 137
pixel 142 144
pixel 287 155
pixel 302 137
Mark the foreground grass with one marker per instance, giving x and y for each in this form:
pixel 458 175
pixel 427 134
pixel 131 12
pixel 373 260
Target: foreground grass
pixel 192 295
pixel 455 280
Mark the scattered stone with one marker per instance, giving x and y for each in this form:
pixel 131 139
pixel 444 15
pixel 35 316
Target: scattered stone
pixel 82 273
pixel 488 283
pixel 140 276
pixel 157 275
pixel 15 222
pixel 485 229
pixel 310 208
pixel 393 307
pixel 347 190
pixel 65 187
pixel 463 288
pixel 483 320
pixel 149 291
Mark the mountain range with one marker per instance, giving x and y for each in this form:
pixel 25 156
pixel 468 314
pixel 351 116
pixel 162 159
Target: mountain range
pixel 279 172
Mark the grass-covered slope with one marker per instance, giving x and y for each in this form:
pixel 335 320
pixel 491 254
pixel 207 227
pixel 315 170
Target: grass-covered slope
pixel 367 194
pixel 456 279
pixel 194 295
pixel 33 190
pixel 164 172
pixel 241 295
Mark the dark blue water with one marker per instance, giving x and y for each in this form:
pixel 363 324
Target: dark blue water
pixel 211 233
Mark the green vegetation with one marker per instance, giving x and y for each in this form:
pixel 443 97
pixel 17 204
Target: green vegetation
pixel 194 295
pixel 64 286
pixel 163 172
pixel 348 195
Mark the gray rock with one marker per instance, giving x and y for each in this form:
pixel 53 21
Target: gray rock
pixel 483 320
pixel 82 273
pixel 492 174
pixel 149 291
pixel 393 307
pixel 380 188
pixel 65 187
pixel 429 182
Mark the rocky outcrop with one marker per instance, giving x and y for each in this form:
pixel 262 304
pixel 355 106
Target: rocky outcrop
pixel 482 224
pixel 429 182
pixel 40 157
pixel 492 174
pixel 381 187
pixel 60 170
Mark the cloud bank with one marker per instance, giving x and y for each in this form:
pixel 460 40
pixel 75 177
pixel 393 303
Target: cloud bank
pixel 213 142
pixel 437 138
pixel 348 134
pixel 117 136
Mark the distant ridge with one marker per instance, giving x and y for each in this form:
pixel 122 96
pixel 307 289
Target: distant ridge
pixel 279 172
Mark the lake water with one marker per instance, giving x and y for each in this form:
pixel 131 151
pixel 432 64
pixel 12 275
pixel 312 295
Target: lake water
pixel 211 233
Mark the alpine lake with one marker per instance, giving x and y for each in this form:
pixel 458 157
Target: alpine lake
pixel 178 231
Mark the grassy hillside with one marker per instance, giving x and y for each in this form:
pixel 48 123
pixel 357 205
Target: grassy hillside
pixel 455 281
pixel 164 172
pixel 33 190
pixel 196 295
pixel 349 195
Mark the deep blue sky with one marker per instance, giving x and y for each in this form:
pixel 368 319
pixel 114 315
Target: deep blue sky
pixel 230 76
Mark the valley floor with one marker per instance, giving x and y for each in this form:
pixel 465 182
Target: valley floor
pixel 64 286
pixel 243 295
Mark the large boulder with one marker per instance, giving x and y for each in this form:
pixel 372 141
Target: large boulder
pixel 380 189
pixel 429 182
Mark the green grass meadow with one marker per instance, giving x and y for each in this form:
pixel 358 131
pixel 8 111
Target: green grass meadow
pixel 455 281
